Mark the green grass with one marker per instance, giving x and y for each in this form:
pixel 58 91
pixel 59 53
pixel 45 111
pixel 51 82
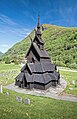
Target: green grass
pixel 8 67
pixel 40 108
pixel 69 77
pixel 8 72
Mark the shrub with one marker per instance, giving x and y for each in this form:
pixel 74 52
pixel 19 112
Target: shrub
pixel 59 63
pixel 73 65
pixel 7 60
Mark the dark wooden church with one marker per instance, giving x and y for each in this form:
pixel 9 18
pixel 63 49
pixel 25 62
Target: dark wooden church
pixel 38 72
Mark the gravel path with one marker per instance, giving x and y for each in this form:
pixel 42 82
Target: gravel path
pixel 52 92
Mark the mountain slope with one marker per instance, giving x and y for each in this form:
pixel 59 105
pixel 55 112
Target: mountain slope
pixel 60 42
pixel 1 53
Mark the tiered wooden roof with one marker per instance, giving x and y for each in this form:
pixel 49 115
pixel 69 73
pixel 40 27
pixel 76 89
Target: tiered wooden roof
pixel 38 68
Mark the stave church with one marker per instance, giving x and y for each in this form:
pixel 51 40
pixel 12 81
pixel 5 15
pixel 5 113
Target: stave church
pixel 38 72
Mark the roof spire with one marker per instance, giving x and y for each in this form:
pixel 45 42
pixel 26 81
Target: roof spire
pixel 38 21
pixel 38 26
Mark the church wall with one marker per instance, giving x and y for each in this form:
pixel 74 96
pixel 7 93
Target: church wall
pixel 39 86
pixel 29 57
pixel 48 85
pixel 58 81
pixel 32 54
pixel 31 86
pixel 54 83
pixel 28 86
pixel 17 83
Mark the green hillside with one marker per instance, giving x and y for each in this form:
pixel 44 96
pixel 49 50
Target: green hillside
pixel 60 42
pixel 1 53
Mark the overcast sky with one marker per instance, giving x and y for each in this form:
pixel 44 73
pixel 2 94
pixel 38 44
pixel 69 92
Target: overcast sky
pixel 19 17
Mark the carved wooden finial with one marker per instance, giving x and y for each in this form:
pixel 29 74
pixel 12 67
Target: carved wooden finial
pixel 38 20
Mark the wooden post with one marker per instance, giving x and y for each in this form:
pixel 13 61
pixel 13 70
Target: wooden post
pixel 0 88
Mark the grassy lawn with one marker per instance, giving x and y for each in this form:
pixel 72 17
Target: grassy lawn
pixel 8 67
pixel 40 108
pixel 69 77
pixel 8 73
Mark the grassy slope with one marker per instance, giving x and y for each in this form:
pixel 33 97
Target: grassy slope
pixel 60 42
pixel 1 53
pixel 40 107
